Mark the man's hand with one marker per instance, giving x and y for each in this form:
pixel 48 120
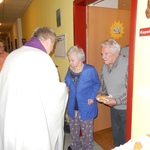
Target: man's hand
pixel 98 95
pixel 111 102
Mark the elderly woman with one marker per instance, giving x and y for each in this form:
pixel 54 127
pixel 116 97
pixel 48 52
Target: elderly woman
pixel 83 84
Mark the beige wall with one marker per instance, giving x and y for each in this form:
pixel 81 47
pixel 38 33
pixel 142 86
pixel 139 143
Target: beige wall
pixel 15 34
pixel 43 13
pixel 141 85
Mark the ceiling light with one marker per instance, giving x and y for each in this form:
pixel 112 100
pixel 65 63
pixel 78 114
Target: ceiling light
pixel 1 1
pixel 0 24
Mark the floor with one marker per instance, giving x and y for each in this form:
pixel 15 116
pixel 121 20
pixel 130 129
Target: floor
pixel 104 139
pixel 67 141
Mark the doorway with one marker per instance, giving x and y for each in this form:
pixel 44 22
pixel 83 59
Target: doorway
pixel 80 38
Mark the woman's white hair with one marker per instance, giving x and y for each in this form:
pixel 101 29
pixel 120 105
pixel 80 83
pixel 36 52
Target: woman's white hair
pixel 113 45
pixel 79 51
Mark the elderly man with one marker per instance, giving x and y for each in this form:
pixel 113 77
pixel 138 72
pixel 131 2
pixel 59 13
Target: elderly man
pixel 32 100
pixel 114 83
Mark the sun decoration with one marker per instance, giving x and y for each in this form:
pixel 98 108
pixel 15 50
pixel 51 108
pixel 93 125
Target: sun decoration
pixel 116 30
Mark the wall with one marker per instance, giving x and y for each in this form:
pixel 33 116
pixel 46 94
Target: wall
pixel 43 13
pixel 15 36
pixel 19 28
pixel 141 82
pixel 106 3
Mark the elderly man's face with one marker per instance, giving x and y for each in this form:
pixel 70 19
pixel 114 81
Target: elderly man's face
pixel 1 47
pixel 108 56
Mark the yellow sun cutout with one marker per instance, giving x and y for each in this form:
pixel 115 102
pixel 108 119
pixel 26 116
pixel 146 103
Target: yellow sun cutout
pixel 116 30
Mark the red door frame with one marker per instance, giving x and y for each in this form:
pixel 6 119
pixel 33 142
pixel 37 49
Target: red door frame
pixel 80 40
pixel 131 68
pixel 79 7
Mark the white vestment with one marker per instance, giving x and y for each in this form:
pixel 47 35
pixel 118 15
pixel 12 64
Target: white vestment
pixel 32 102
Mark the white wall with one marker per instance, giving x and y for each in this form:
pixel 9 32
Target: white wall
pixel 16 33
pixel 106 3
pixel 141 90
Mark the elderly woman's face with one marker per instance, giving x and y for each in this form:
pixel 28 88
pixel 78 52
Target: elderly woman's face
pixel 74 61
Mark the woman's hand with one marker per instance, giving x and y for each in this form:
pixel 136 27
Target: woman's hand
pixel 90 101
